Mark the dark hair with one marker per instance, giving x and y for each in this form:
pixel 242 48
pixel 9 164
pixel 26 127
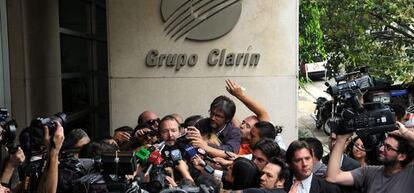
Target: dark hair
pixel 268 147
pixel 316 146
pixel 404 147
pixel 73 138
pixel 398 110
pixel 168 118
pixel 295 146
pixel 209 181
pixel 98 148
pixel 266 129
pixel 141 118
pixel 226 105
pixel 279 162
pixel 245 174
pixel 192 120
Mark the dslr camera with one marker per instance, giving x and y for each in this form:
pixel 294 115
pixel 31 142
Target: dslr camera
pixel 352 116
pixel 8 131
pixel 40 122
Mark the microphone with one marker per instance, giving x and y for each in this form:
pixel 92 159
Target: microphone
pixel 155 157
pixel 176 155
pixel 142 155
pixel 189 151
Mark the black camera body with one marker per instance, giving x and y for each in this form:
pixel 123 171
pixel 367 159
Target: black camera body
pixel 366 119
pixel 376 119
pixel 8 133
pixel 40 122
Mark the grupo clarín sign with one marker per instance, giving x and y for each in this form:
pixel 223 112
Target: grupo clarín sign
pixel 200 20
pixel 216 57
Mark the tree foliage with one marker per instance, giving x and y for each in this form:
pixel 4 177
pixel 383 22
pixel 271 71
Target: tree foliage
pixel 374 33
pixel 311 48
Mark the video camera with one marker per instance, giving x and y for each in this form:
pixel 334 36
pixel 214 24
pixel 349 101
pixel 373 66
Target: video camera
pixel 8 132
pixel 352 116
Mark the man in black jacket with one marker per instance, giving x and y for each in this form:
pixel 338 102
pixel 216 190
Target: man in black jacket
pixel 300 159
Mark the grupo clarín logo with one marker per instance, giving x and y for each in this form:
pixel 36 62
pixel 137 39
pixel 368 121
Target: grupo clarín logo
pixel 199 19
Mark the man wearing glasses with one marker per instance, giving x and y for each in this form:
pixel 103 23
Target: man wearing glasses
pixel 149 118
pixel 222 110
pixel 395 175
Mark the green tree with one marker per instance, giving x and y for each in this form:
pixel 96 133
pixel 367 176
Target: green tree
pixel 311 48
pixel 374 33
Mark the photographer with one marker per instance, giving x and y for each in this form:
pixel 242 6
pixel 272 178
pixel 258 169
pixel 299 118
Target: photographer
pixel 395 175
pixel 49 179
pixel 11 163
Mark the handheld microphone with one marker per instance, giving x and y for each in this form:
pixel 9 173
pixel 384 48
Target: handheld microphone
pixel 155 157
pixel 142 155
pixel 176 155
pixel 189 151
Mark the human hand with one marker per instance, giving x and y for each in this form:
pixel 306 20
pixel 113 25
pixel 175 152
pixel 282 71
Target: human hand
pixel 198 163
pixel 401 129
pixel 59 136
pixel 196 139
pixel 171 181
pixel 16 159
pixel 234 89
pixel 222 161
pixel 121 136
pixel 142 132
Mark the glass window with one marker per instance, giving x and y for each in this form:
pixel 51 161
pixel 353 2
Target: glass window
pixel 74 15
pixel 75 55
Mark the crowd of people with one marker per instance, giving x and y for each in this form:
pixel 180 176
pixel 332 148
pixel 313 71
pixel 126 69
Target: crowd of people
pixel 218 153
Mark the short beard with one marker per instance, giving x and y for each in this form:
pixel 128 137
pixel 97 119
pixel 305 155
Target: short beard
pixel 389 163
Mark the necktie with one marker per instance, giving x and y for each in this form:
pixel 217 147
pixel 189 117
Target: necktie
pixel 294 187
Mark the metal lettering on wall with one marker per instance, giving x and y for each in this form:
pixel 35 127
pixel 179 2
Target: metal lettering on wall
pixel 215 57
pixel 199 19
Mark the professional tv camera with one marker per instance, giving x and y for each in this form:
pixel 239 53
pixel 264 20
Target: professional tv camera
pixel 351 115
pixel 109 174
pixel 8 132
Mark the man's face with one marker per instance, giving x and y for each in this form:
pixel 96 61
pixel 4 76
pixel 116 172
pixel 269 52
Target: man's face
pixel 246 126
pixel 259 158
pixel 302 163
pixel 270 176
pixel 169 131
pixel 388 152
pixel 151 119
pixel 217 118
pixel 254 136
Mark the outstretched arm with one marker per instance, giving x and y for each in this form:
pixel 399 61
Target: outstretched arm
pixel 334 173
pixel 236 90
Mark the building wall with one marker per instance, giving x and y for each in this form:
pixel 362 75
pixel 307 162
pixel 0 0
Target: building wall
pixel 266 27
pixel 35 77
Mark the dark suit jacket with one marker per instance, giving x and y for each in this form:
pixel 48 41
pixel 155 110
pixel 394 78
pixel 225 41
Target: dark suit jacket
pixel 318 185
pixel 348 163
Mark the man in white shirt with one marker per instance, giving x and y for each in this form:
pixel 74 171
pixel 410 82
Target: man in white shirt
pixel 300 159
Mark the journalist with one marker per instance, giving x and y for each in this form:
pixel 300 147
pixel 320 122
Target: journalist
pixel 396 174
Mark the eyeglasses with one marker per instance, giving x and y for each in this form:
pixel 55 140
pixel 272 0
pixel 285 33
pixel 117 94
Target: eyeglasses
pixel 213 114
pixel 153 121
pixel 388 147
